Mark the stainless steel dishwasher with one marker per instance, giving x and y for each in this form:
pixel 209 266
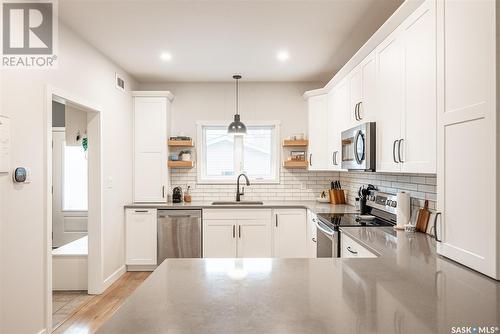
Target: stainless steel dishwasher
pixel 179 234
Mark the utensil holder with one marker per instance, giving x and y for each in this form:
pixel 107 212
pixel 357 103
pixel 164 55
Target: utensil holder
pixel 337 196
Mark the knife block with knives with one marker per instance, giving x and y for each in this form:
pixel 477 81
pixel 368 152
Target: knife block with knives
pixel 337 195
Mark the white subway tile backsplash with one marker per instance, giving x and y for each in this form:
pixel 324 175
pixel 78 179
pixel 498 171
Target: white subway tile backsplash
pixel 296 185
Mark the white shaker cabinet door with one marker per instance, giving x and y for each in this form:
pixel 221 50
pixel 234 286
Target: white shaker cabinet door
pixel 391 83
pixel 290 234
pixel 150 149
pixel 418 147
pixel 318 128
pixel 254 238
pixel 140 236
pixel 219 239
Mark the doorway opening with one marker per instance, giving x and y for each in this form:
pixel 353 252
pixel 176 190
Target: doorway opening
pixel 69 211
pixel 73 220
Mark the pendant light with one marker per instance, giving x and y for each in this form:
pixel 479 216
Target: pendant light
pixel 237 128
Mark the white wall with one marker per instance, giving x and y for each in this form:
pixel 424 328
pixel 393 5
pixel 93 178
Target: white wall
pixel 82 72
pixel 216 101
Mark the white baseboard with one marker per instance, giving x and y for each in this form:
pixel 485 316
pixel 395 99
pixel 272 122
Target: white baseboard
pixel 141 267
pixel 114 277
pixel 43 331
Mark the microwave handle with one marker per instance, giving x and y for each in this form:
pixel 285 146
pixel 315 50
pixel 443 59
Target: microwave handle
pixel 358 134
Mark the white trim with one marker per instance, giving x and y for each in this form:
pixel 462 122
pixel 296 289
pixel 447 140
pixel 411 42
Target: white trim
pixel 43 331
pixel 276 152
pixel 157 93
pixel 114 277
pixel 95 267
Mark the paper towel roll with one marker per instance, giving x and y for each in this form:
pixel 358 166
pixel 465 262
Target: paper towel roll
pixel 403 210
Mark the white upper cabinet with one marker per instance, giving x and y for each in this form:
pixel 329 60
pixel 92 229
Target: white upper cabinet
pixel 362 87
pixel 290 233
pixel 418 147
pixel 390 101
pixel 150 147
pixel 318 132
pixel 468 134
pixel 406 95
pixel 338 121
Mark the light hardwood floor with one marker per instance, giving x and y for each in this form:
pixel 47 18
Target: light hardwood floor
pixel 100 308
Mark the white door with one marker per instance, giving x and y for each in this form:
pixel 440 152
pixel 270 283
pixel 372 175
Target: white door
pixel 355 95
pixel 290 233
pixel 338 121
pixel 219 238
pixel 68 221
pixel 318 128
pixel 467 150
pixel 418 147
pixel 367 109
pixel 140 237
pixel 150 149
pixel 391 90
pixel 254 238
pixel 311 234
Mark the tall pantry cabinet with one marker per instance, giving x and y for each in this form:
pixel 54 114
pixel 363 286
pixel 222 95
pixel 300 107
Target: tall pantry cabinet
pixel 468 141
pixel 150 121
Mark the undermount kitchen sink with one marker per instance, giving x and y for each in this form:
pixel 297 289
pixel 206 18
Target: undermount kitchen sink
pixel 238 203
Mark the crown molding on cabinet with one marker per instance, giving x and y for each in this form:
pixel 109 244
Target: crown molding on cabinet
pixel 166 94
pixel 396 19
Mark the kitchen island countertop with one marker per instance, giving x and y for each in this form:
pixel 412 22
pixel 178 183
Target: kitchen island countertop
pixel 408 289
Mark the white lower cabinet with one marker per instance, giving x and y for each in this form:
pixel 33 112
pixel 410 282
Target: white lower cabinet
pixel 311 235
pixel 219 238
pixel 352 249
pixel 140 236
pixel 290 233
pixel 237 233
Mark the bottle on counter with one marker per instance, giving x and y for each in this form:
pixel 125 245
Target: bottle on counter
pixel 187 195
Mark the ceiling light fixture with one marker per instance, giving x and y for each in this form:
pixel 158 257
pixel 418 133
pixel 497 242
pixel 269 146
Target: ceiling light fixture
pixel 166 56
pixel 237 128
pixel 282 56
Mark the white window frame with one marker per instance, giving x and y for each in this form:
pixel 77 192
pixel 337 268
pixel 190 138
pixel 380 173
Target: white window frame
pixel 276 153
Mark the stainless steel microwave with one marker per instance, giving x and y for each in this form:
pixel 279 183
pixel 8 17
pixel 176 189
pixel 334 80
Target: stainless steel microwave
pixel 358 147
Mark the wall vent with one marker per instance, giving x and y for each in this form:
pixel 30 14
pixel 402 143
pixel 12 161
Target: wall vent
pixel 120 82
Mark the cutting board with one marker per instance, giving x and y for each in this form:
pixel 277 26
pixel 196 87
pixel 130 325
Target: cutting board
pixel 423 218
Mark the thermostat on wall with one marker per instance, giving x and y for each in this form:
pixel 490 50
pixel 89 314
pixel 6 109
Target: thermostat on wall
pixel 21 175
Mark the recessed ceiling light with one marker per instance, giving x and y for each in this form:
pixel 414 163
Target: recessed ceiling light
pixel 282 56
pixel 166 56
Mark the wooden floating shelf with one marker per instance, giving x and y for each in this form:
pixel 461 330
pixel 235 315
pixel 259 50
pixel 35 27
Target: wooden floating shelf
pixel 180 143
pixel 181 164
pixel 295 164
pixel 295 143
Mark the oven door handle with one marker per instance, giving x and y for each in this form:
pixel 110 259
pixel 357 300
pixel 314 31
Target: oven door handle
pixel 329 233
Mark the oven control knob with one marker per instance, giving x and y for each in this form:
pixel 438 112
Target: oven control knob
pixel 394 204
pixel 388 202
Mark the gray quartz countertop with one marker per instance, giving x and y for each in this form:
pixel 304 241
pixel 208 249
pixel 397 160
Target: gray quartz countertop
pixel 408 289
pixel 314 206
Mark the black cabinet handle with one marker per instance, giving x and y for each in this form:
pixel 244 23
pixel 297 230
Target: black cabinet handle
pixel 394 151
pixel 399 150
pixel 310 159
pixel 314 239
pixel 163 192
pixel 351 251
pixel 435 227
pixel 141 211
pixel 276 220
pixel 234 231
pixel 239 231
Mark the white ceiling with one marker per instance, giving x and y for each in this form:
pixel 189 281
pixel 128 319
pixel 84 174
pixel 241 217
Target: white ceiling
pixel 211 40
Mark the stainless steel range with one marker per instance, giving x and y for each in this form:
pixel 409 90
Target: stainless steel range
pixel 381 213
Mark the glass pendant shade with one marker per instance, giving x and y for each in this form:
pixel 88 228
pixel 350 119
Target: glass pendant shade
pixel 237 128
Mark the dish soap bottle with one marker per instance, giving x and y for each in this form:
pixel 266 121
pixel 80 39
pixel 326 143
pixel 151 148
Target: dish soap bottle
pixel 187 195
